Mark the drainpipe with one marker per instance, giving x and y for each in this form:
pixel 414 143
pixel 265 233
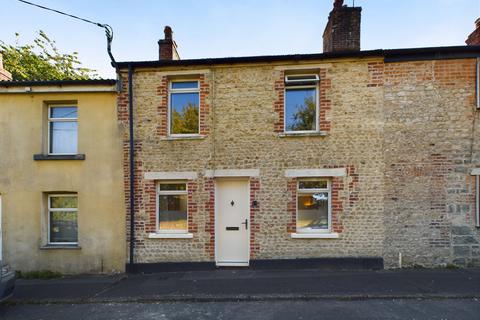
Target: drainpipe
pixel 132 168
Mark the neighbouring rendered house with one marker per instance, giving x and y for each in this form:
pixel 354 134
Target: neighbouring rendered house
pixel 61 190
pixel 363 157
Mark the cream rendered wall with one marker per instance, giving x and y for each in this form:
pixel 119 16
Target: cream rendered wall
pixel 98 181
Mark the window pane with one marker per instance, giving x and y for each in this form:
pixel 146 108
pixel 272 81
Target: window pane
pixel 63 226
pixel 313 211
pixel 300 109
pixel 63 202
pixel 313 184
pixel 185 85
pixel 63 137
pixel 184 113
pixel 63 112
pixel 173 186
pixel 172 212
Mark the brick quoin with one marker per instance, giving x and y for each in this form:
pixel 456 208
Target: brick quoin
pixel 192 187
pixel 375 73
pixel 209 207
pixel 254 211
pixel 337 202
pixel 279 104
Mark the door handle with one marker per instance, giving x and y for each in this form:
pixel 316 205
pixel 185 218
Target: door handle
pixel 246 224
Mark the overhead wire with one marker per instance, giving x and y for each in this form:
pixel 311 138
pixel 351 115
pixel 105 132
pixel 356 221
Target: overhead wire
pixel 108 28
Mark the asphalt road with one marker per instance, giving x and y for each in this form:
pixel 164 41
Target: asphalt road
pixel 457 309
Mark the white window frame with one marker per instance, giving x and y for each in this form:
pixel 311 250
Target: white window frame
pixel 60 209
pixel 169 116
pixel 312 191
pixel 317 101
pixel 170 192
pixel 50 120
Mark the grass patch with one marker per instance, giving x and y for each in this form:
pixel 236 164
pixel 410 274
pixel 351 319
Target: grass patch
pixel 41 274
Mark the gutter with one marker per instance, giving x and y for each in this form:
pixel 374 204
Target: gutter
pixel 390 55
pixel 132 162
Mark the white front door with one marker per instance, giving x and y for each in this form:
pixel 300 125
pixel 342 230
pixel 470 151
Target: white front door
pixel 232 229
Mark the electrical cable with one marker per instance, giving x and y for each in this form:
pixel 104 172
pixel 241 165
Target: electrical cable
pixel 108 29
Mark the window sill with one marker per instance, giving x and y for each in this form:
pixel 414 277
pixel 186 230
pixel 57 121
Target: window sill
pixel 303 134
pixel 332 235
pixel 186 137
pixel 40 157
pixel 61 247
pixel 158 235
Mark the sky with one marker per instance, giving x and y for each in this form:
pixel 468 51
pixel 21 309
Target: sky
pixel 227 28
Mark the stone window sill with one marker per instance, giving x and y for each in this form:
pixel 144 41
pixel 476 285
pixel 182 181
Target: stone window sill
pixel 332 235
pixel 302 134
pixel 41 157
pixel 186 137
pixel 159 235
pixel 60 247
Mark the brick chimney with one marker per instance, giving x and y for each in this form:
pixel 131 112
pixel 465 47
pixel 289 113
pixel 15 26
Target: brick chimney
pixel 342 32
pixel 474 37
pixel 167 47
pixel 4 74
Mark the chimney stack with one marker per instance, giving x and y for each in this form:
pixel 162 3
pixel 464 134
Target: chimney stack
pixel 474 37
pixel 342 32
pixel 167 47
pixel 4 74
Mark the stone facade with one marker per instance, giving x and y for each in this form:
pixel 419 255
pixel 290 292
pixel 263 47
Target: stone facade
pixel 431 144
pixel 405 132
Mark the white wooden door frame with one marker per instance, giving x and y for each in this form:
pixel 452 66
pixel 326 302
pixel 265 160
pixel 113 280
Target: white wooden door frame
pixel 220 264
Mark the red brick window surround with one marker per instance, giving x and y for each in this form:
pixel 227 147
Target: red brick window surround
pixel 284 83
pixel 172 85
pixel 336 203
pixel 176 200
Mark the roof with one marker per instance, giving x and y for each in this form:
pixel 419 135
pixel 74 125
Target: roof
pixel 57 82
pixel 390 55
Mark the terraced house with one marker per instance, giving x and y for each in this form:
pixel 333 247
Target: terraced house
pixel 347 157
pixel 367 157
pixel 61 206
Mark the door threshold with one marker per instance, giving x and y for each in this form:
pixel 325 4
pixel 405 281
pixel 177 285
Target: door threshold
pixel 232 264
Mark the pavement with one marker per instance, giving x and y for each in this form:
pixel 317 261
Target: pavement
pixel 246 285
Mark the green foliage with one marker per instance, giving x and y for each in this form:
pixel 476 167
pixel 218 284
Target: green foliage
pixel 42 61
pixel 185 122
pixel 305 116
pixel 41 274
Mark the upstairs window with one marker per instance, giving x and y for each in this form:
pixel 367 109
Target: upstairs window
pixel 313 206
pixel 184 108
pixel 301 103
pixel 172 207
pixel 62 219
pixel 62 130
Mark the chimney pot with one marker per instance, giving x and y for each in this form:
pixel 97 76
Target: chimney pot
pixel 338 4
pixel 168 32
